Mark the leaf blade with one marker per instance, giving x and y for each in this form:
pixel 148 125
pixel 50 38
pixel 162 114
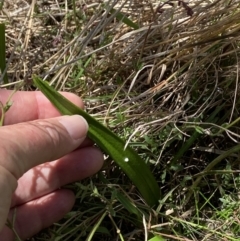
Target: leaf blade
pixel 3 53
pixel 121 17
pixel 130 162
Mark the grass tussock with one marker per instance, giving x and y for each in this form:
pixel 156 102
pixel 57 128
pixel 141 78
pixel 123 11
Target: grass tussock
pixel 164 75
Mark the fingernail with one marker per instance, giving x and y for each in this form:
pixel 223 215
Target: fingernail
pixel 75 125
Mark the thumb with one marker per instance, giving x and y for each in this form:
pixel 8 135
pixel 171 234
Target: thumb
pixel 29 144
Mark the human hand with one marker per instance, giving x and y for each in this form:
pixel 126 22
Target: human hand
pixel 29 182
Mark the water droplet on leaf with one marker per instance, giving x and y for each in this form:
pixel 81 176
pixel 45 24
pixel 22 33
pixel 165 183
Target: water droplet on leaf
pixel 126 159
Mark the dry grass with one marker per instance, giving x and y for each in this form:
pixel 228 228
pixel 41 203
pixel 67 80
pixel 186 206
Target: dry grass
pixel 169 87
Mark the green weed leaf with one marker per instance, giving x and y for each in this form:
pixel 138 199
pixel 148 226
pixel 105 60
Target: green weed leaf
pixel 130 162
pixel 127 204
pixel 157 238
pixel 3 52
pixel 124 19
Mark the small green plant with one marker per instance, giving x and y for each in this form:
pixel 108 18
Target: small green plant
pixel 5 107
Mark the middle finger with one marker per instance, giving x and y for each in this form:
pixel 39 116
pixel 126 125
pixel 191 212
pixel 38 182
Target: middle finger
pixel 50 176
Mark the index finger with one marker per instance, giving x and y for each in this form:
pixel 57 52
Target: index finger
pixel 32 105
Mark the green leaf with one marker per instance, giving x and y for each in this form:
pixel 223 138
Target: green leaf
pixel 1 4
pixel 124 19
pixel 3 52
pixel 186 146
pixel 132 165
pixel 96 226
pixel 157 238
pixel 126 202
pixel 199 129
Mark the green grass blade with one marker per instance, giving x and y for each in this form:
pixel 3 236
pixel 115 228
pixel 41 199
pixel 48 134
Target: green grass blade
pixel 127 204
pixel 157 238
pixel 1 4
pixel 96 226
pixel 130 162
pixel 193 138
pixel 2 53
pixel 124 19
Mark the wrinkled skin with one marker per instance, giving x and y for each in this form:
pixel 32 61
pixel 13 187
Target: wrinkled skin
pixel 40 152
